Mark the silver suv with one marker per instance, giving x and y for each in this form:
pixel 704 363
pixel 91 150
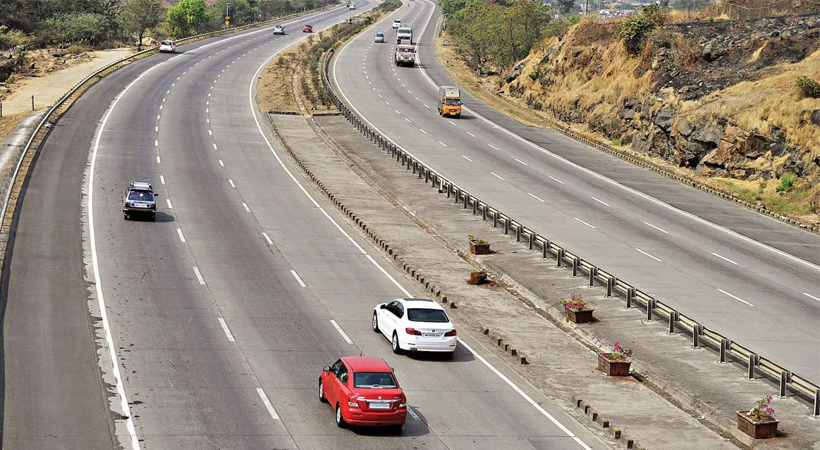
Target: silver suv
pixel 139 200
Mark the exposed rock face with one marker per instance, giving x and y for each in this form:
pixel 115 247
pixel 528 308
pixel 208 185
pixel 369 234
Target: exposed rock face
pixel 515 72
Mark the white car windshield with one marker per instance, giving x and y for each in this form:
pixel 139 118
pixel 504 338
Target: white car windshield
pixel 377 380
pixel 426 315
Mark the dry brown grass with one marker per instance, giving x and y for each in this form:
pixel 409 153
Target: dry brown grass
pixel 275 89
pixel 9 122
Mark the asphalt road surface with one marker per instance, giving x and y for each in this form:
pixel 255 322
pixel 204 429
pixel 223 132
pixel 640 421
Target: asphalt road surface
pixel 222 312
pixel 750 277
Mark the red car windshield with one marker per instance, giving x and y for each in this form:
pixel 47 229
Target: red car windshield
pixel 376 380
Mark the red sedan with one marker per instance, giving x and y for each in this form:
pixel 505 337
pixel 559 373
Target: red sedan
pixel 307 29
pixel 364 391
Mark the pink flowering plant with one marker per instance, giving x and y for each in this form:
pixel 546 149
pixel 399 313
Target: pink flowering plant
pixel 619 353
pixel 762 412
pixel 575 303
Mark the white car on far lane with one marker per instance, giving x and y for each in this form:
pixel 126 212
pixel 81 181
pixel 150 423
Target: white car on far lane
pixel 167 46
pixel 396 24
pixel 415 324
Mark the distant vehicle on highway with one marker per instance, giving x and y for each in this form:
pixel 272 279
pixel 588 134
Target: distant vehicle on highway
pixel 167 46
pixel 307 29
pixel 139 200
pixel 405 55
pixel 404 33
pixel 396 23
pixel 363 390
pixel 449 101
pixel 351 6
pixel 415 324
pixel 379 39
pixel 279 29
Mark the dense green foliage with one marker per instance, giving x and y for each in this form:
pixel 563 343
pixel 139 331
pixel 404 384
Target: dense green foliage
pixel 187 17
pixel 495 33
pixel 137 16
pixel 634 31
pixel 809 87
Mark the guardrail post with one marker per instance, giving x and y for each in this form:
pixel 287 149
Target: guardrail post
pixel 816 411
pixel 724 347
pixel 696 329
pixel 518 233
pixel 650 305
pixel 630 295
pixel 673 319
pixel 507 226
pixel 593 272
pixel 532 240
pixel 495 219
pixel 484 212
pixel 785 377
pixel 575 266
pixel 466 200
pixel 560 257
pixel 750 369
pixel 610 286
pixel 449 190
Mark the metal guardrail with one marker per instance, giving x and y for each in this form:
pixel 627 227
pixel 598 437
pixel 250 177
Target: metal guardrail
pixel 635 298
pixel 9 178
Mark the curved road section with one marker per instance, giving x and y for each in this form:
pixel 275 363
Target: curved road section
pixel 208 328
pixel 754 279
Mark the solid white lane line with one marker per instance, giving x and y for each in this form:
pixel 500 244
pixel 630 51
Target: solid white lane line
pixel 162 179
pixel 231 181
pixel 647 254
pixel 199 276
pixel 657 228
pixel 725 258
pixel 465 157
pixel 811 296
pixel 579 220
pixel 341 331
pixel 267 403
pixel 735 297
pixel 521 162
pixel 496 175
pixel 600 201
pixel 168 200
pixel 245 205
pixel 557 180
pixel 158 161
pixel 535 197
pixel 442 143
pixel 299 280
pixel 471 134
pixel 221 163
pixel 226 329
pixel 181 236
pixel 267 238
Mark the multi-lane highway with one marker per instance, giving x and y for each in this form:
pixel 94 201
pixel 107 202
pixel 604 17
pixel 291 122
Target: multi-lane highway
pixel 750 277
pixel 208 328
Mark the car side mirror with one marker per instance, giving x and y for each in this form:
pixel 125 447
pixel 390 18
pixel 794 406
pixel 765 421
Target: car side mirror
pixel 326 369
pixel 156 195
pixel 382 306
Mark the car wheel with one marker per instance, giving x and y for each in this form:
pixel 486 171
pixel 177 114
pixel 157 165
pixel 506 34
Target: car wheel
pixel 125 216
pixel 322 392
pixel 154 217
pixel 375 323
pixel 458 116
pixel 340 421
pixel 395 342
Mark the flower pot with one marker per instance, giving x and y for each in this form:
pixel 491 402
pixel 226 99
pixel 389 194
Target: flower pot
pixel 479 249
pixel 613 368
pixel 757 430
pixel 582 316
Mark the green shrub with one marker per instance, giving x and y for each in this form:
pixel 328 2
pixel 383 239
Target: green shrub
pixel 787 183
pixel 808 86
pixel 75 28
pixel 634 31
pixel 534 75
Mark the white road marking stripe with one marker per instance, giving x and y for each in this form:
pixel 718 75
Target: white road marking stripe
pixel 735 297
pixel 226 329
pixel 341 331
pixel 267 403
pixel 160 107
pixel 397 111
pixel 725 259
pixel 600 201
pixel 579 220
pixel 207 120
pixel 208 103
pixel 199 276
pixel 647 254
pixel 465 157
pixel 156 129
pixel 521 162
pixel 167 92
pixel 380 96
pixel 158 116
pixel 267 238
pixel 207 110
pixel 496 175
pixel 299 280
pixel 426 106
pixel 556 179
pixel 535 197
pixel 162 179
pixel 422 131
pixel 181 236
pixel 163 99
pixel 657 228
pixel 811 296
pixel 494 147
pixel 210 133
pixel 442 143
pixel 168 201
pixel 215 147
pixel 451 122
pixel 409 91
pixel 388 103
pixel 471 134
pixel 408 120
pixel 156 143
pixel 231 181
pixel 245 205
pixel 417 98
pixel 412 413
pixel 158 161
pixel 221 163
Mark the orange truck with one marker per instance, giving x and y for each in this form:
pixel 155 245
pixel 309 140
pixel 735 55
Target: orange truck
pixel 449 101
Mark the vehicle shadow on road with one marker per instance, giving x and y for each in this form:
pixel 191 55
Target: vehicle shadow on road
pixel 160 217
pixel 460 355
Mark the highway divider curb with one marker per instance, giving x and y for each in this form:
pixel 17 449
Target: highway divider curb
pixel 616 433
pixel 701 336
pixel 501 342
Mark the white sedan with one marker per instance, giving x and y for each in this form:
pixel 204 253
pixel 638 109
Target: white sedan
pixel 279 29
pixel 167 46
pixel 415 324
pixel 396 24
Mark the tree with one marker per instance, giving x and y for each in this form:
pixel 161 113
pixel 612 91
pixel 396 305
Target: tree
pixel 187 18
pixel 566 5
pixel 139 15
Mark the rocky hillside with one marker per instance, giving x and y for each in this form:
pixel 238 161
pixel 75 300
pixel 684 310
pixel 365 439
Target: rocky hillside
pixel 716 98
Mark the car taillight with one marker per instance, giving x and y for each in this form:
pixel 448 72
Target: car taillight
pixel 351 401
pixel 412 331
pixel 450 333
pixel 127 204
pixel 403 402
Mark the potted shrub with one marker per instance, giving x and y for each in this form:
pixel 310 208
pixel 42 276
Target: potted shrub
pixel 478 246
pixel 577 310
pixel 760 422
pixel 617 362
